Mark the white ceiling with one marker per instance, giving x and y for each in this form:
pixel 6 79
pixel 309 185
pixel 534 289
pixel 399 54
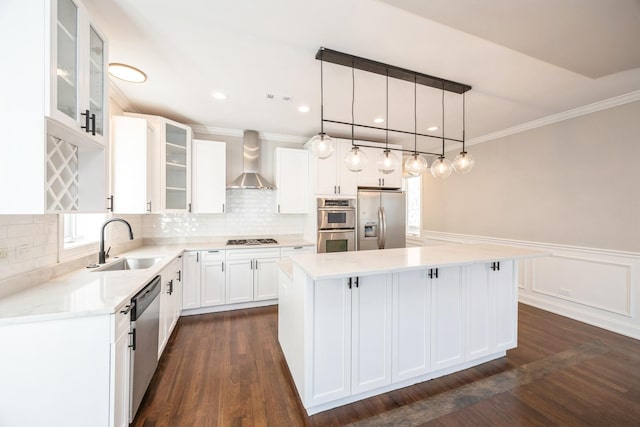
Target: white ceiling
pixel 531 68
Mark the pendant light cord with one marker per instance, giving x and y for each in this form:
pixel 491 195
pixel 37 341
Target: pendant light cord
pixel 322 94
pixel 464 108
pixel 386 138
pixel 353 100
pixel 443 120
pixel 415 115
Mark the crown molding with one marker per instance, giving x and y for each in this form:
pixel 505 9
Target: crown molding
pixel 265 136
pixel 566 115
pixel 120 98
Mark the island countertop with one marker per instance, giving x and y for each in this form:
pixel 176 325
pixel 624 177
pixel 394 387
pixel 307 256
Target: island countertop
pixel 344 264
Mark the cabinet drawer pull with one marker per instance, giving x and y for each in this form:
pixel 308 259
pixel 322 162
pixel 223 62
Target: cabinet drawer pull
pixel 213 252
pixel 126 310
pixel 222 266
pixel 256 264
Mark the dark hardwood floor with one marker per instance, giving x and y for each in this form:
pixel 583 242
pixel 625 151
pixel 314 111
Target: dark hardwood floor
pixel 226 369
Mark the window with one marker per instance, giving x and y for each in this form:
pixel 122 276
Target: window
pixel 413 187
pixel 79 234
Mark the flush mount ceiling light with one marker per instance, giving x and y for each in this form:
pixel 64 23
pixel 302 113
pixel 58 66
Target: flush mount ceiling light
pixel 220 96
pixel 386 161
pixel 304 109
pixel 127 73
pixel 433 128
pixel 322 145
pixel 378 120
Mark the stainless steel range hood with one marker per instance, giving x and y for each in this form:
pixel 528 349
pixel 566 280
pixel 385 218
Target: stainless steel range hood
pixel 251 178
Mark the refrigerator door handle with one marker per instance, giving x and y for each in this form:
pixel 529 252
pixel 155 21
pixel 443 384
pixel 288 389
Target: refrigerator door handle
pixel 382 220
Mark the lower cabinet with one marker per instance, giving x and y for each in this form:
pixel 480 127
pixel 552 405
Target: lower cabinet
pixel 411 332
pixel 121 354
pixel 374 331
pixel 252 275
pixel 221 277
pixel 170 302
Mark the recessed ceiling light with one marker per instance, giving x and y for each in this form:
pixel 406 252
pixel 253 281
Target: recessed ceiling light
pixel 304 109
pixel 378 120
pixel 432 128
pixel 127 73
pixel 219 96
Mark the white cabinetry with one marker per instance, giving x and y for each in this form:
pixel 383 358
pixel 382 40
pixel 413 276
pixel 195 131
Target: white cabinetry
pixel 164 153
pixel 292 180
pixel 370 176
pixel 447 317
pixel 170 302
pixel 209 176
pixel 333 176
pixel 61 61
pixel 190 280
pixel 352 336
pixel 411 325
pixel 121 368
pixel 252 275
pixel 492 308
pixel 203 279
pixel 296 250
pixel 212 278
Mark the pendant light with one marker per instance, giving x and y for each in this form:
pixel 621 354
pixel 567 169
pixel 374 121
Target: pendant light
pixel 464 161
pixel 388 161
pixel 415 163
pixel 355 159
pixel 441 168
pixel 322 145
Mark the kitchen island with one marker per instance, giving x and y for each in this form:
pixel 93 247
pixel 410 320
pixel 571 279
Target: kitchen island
pixel 357 324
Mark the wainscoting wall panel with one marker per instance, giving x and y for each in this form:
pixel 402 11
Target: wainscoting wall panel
pixel 595 286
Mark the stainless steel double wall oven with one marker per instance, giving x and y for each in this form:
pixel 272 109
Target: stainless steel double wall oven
pixel 336 225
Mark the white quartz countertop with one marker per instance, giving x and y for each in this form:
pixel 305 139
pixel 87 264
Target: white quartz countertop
pixel 86 292
pixel 359 263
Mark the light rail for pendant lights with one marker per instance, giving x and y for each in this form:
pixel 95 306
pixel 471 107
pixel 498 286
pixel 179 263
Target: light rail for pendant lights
pixel 321 144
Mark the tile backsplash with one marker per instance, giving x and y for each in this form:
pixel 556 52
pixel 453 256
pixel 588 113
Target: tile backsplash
pixel 27 242
pixel 248 213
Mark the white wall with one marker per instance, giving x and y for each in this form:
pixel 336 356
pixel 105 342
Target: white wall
pixel 570 188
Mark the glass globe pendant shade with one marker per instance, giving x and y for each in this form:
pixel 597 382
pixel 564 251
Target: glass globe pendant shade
pixel 441 168
pixel 355 160
pixel 463 162
pixel 388 162
pixel 322 145
pixel 415 165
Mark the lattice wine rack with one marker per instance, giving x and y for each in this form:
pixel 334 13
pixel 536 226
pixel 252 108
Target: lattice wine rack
pixel 62 175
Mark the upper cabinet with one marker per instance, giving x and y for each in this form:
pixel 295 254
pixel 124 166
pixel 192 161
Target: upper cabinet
pixel 151 165
pixel 78 77
pixel 58 72
pixel 370 176
pixel 332 175
pixel 292 180
pixel 209 176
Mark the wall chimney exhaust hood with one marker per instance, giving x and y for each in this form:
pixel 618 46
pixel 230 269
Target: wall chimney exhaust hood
pixel 251 178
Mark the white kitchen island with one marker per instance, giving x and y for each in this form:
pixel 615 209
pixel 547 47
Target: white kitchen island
pixel 356 324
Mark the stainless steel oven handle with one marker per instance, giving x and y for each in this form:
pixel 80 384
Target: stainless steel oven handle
pixel 338 230
pixel 338 208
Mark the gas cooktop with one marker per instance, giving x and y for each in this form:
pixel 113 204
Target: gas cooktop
pixel 251 242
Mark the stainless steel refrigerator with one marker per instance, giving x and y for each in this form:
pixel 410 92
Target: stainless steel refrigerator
pixel 381 219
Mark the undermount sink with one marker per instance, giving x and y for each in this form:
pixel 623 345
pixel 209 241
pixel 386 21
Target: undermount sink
pixel 129 264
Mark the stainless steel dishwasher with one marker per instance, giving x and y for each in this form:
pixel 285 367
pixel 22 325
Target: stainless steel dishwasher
pixel 145 314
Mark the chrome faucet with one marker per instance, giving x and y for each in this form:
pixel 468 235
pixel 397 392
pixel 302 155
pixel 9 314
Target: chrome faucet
pixel 102 256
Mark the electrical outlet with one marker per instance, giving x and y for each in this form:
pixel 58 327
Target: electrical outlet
pixel 565 292
pixel 4 254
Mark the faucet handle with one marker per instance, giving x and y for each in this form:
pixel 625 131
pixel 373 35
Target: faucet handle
pixel 106 255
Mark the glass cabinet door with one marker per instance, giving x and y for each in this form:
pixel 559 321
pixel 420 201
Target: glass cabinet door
pixel 176 167
pixel 96 79
pixel 67 58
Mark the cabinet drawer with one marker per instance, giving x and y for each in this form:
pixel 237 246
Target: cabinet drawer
pixel 253 253
pixel 212 255
pixel 296 250
pixel 122 320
